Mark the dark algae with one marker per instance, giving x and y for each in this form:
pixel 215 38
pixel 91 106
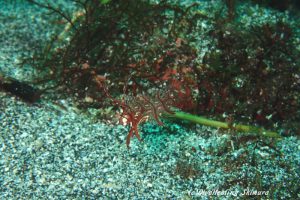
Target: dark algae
pixel 22 90
pixel 125 49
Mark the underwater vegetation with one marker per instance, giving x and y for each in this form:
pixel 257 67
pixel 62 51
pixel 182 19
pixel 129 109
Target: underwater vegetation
pixel 257 69
pixel 139 57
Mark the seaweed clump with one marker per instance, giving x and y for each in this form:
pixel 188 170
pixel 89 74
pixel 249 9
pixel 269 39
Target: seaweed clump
pixel 117 40
pixel 122 53
pixel 253 73
pixel 125 52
